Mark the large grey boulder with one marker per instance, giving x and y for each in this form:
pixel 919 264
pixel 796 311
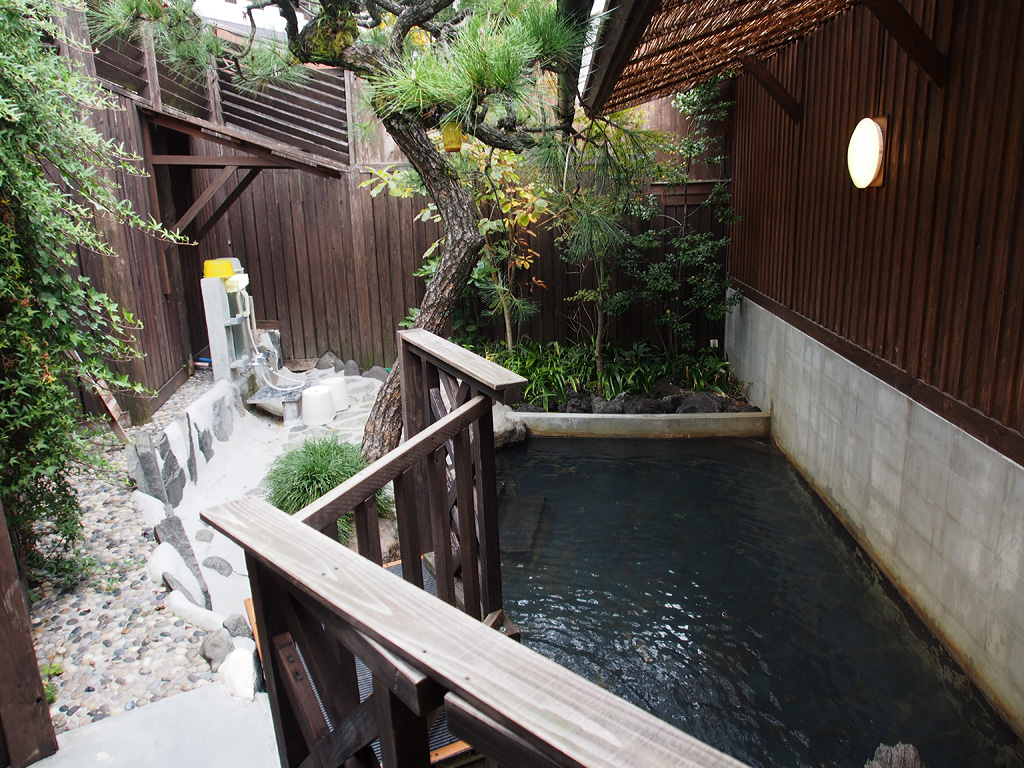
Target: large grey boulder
pixel 508 430
pixel 328 361
pixel 171 531
pixel 144 467
pixel 238 626
pixel 900 756
pixel 351 368
pixel 378 373
pixel 216 647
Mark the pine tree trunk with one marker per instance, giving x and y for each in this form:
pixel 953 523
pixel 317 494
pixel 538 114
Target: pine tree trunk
pixel 459 252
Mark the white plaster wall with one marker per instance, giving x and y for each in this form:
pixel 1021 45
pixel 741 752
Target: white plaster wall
pixel 940 512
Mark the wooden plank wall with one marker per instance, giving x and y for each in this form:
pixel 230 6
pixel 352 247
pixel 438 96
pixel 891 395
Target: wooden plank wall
pixel 334 266
pixel 330 264
pixel 135 278
pixel 919 280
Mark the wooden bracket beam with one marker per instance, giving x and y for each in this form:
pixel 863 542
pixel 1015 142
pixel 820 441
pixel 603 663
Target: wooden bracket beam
pixel 215 161
pixel 775 89
pixel 911 38
pixel 235 193
pixel 207 194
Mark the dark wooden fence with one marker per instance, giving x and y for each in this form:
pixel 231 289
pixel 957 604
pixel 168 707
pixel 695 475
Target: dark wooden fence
pixel 331 266
pixel 320 606
pixel 918 280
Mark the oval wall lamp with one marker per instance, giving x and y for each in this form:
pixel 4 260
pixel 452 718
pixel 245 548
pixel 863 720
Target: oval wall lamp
pixel 866 151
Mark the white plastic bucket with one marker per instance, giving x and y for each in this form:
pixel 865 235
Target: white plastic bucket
pixel 339 391
pixel 317 406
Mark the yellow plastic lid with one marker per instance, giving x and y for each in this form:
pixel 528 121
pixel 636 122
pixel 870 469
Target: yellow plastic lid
pixel 218 268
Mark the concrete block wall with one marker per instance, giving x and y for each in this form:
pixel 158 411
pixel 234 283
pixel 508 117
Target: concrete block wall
pixel 941 513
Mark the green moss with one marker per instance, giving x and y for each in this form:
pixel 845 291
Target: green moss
pixel 325 39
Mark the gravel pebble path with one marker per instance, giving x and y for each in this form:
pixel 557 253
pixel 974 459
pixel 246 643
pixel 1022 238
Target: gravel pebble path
pixel 117 646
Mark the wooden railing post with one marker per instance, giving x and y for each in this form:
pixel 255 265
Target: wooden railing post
pixel 415 418
pixel 27 733
pixel 291 746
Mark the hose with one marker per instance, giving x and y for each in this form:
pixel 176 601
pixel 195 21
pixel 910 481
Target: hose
pixel 260 364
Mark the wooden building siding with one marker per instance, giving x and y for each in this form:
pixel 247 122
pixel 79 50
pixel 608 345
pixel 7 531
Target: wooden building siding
pixel 917 280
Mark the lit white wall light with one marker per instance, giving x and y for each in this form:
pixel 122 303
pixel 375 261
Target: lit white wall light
pixel 864 156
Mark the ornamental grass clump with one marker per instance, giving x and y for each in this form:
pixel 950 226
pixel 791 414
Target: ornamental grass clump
pixel 301 476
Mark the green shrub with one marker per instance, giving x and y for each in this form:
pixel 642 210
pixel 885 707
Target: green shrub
pixel 553 370
pixel 58 181
pixel 301 476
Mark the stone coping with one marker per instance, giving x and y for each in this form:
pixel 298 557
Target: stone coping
pixel 673 425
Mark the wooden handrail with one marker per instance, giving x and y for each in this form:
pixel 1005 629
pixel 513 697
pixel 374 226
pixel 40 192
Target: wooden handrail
pixel 365 483
pixel 486 376
pixel 525 697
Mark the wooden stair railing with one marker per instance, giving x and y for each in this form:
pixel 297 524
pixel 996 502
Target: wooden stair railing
pixel 319 607
pixel 510 703
pixel 443 474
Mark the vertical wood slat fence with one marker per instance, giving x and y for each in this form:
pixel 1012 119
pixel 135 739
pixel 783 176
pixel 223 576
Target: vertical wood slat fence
pixel 320 606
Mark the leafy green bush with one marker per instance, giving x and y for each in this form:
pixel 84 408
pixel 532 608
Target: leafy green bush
pixel 58 179
pixel 301 476
pixel 554 370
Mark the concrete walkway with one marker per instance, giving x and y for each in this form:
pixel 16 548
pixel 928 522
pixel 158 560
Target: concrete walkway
pixel 204 727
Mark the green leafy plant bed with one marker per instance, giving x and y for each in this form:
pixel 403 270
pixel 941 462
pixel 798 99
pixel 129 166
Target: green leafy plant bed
pixel 301 476
pixel 635 379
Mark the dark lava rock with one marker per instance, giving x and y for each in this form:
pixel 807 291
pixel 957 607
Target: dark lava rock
pixel 171 530
pixel 642 405
pixel 578 404
pixel 206 443
pixel 702 402
pixel 600 405
pixel 530 409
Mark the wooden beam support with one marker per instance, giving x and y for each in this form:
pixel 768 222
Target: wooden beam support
pixel 215 161
pixel 911 38
pixel 775 89
pixel 215 186
pixel 233 195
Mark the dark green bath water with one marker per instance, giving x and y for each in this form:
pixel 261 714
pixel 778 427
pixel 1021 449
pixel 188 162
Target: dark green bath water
pixel 704 582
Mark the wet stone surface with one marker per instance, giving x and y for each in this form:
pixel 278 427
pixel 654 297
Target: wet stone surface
pixel 118 647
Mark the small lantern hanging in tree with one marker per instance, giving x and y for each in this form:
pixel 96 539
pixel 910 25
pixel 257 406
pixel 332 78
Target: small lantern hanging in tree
pixel 451 135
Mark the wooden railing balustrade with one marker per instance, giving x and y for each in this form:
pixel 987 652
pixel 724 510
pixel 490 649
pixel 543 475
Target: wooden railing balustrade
pixel 319 606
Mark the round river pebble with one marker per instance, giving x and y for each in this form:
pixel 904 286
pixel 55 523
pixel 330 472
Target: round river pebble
pixel 117 646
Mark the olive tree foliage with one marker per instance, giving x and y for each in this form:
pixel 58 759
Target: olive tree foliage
pixel 56 177
pixel 429 62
